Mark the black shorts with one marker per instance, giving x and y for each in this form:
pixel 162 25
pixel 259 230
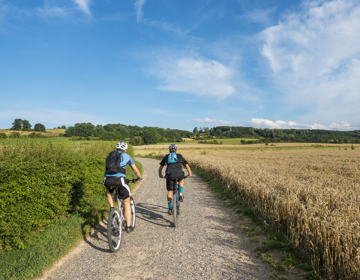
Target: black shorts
pixel 170 179
pixel 121 183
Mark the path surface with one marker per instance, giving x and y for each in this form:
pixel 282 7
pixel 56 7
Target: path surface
pixel 205 245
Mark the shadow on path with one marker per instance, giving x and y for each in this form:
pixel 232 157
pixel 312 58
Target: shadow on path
pixel 100 231
pixel 149 213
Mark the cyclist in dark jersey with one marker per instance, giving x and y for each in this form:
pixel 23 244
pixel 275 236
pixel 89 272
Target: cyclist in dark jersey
pixel 119 180
pixel 173 170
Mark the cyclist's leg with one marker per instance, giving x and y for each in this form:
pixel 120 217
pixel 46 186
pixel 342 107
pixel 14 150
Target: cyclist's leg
pixel 109 183
pixel 109 196
pixel 127 211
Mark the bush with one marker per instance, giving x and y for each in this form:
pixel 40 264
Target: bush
pixel 3 135
pixel 15 135
pixel 42 180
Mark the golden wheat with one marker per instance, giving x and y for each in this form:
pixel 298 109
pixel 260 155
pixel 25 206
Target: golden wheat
pixel 312 196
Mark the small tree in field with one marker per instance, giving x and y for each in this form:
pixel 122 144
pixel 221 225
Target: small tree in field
pixel 16 125
pixel 26 125
pixel 39 127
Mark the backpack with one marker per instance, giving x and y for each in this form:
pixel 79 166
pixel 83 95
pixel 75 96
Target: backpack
pixel 113 163
pixel 172 158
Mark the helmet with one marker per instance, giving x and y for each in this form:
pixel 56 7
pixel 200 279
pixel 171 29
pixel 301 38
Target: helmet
pixel 172 148
pixel 121 146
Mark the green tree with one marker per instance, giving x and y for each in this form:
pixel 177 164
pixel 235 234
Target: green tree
pixel 39 127
pixel 26 125
pixel 16 125
pixel 195 130
pixel 149 137
pixel 63 127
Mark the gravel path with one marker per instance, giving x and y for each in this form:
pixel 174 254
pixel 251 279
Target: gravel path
pixel 206 244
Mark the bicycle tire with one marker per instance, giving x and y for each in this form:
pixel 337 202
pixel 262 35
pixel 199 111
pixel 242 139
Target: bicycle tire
pixel 174 209
pixel 114 230
pixel 133 213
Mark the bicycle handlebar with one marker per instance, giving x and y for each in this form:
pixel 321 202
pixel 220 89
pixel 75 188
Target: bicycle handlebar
pixel 135 180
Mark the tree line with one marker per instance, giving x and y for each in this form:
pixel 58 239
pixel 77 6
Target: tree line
pixel 136 135
pixel 24 125
pixel 279 135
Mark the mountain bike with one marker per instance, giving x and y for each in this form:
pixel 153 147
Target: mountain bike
pixel 175 203
pixel 117 222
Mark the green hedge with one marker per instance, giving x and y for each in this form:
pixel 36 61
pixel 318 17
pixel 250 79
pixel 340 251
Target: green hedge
pixel 44 180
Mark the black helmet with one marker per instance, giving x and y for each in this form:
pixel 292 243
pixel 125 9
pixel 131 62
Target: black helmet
pixel 172 148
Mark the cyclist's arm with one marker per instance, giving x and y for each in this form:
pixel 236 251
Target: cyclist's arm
pixel 188 169
pixel 136 170
pixel 160 171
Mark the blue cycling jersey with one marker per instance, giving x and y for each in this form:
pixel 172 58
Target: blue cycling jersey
pixel 124 160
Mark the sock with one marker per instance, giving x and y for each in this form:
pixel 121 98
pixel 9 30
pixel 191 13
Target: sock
pixel 181 189
pixel 169 203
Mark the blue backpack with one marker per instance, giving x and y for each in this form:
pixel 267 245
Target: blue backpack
pixel 172 158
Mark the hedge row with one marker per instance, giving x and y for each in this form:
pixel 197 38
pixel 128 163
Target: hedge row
pixel 43 180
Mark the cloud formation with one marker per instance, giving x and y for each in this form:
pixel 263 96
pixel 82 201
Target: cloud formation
pixel 199 77
pixel 139 4
pixel 264 123
pixel 314 56
pixel 212 121
pixel 84 6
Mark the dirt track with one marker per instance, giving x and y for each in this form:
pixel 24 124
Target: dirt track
pixel 205 245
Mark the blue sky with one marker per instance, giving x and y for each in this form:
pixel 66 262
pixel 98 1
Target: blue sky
pixel 181 63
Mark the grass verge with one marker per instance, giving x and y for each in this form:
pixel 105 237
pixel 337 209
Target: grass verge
pixel 54 241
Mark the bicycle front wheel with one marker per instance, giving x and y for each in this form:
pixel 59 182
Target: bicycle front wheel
pixel 133 216
pixel 114 230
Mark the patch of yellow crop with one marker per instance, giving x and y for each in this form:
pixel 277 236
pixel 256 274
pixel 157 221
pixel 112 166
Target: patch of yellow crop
pixel 312 196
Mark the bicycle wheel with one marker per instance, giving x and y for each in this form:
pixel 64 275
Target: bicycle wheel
pixel 174 208
pixel 114 230
pixel 133 216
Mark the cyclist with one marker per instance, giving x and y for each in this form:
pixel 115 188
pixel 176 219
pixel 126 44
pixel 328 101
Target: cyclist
pixel 173 170
pixel 119 180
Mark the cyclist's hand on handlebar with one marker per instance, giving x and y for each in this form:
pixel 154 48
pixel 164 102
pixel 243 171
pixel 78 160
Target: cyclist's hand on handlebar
pixel 161 176
pixel 139 178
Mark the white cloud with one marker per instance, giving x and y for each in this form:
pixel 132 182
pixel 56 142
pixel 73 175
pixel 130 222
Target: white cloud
pixel 198 77
pixel 314 56
pixel 258 16
pixel 212 121
pixel 84 6
pixel 52 12
pixel 139 4
pixel 264 123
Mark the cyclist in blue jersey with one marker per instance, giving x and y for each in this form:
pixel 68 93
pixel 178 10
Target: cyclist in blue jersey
pixel 119 180
pixel 173 170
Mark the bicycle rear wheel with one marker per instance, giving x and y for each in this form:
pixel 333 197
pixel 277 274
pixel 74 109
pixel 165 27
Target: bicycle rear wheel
pixel 114 230
pixel 174 208
pixel 133 215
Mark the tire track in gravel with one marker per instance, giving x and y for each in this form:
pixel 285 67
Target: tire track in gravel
pixel 205 245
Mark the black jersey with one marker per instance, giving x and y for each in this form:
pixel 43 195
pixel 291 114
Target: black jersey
pixel 173 167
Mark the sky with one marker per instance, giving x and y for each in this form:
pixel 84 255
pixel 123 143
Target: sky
pixel 181 64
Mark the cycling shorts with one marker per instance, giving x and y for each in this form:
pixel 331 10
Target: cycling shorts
pixel 179 175
pixel 118 182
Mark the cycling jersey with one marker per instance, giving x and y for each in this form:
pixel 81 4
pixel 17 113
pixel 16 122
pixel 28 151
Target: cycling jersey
pixel 124 160
pixel 173 167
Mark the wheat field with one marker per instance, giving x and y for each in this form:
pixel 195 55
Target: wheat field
pixel 312 196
